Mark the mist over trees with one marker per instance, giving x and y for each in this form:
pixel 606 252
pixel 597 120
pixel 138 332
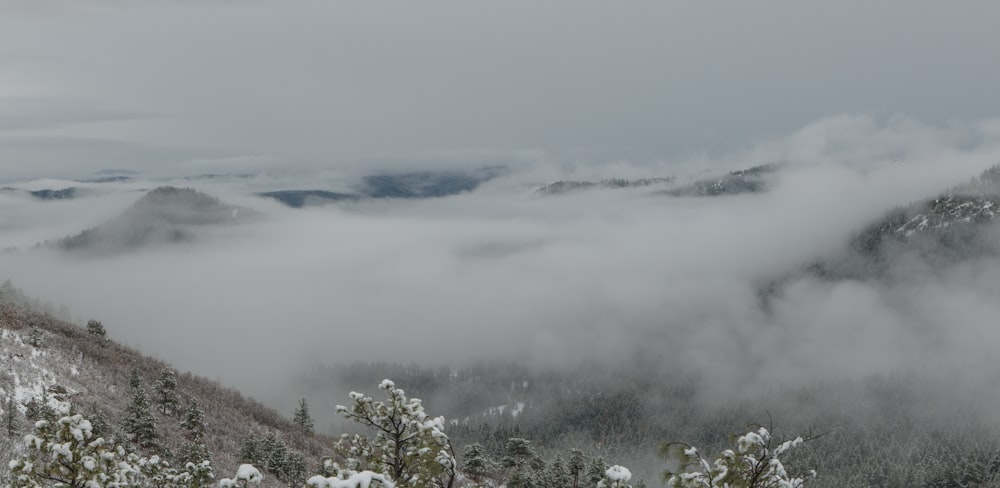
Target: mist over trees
pixel 593 403
pixel 577 244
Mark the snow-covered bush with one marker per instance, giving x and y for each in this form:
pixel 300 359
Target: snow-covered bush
pixel 65 452
pixel 408 446
pixel 755 463
pixel 351 479
pixel 246 475
pixel 616 477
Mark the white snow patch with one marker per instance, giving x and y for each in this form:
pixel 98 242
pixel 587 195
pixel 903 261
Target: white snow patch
pixel 517 409
pixel 617 473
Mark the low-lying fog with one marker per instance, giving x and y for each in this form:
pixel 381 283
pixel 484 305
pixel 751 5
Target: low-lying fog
pixel 502 272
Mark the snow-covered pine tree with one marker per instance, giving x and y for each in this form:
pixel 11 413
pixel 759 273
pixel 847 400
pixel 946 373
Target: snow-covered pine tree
pixel 518 453
pixel 99 421
pixel 476 465
pixel 64 452
pixel 250 451
pixel 302 418
pixel 577 463
pixel 595 472
pixel 133 379
pixel 96 329
pixel 522 478
pixel 11 422
pixel 754 463
pixel 275 455
pixel 166 392
pixel 519 457
pixel 39 409
pixel 555 475
pixel 32 410
pixel 139 424
pixel 408 445
pixel 297 468
pixel 192 452
pixel 194 421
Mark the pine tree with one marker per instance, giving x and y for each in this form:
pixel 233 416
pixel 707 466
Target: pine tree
pixel 296 469
pixel 36 409
pixel 139 423
pixel 10 420
pixel 250 451
pixel 521 478
pixel 32 410
pixel 476 466
pixel 65 453
pixel 595 472
pixel 99 424
pixel 408 445
pixel 133 379
pixel 194 449
pixel 519 455
pixel 275 455
pixel 194 421
pixel 302 418
pixel 753 463
pixel 96 329
pixel 194 452
pixel 555 476
pixel 166 392
pixel 576 465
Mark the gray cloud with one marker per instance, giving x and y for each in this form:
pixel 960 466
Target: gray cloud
pixel 314 94
pixel 23 113
pixel 324 84
pixel 550 280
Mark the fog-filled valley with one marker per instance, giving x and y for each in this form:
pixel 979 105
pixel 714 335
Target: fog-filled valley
pixel 437 244
pixel 848 286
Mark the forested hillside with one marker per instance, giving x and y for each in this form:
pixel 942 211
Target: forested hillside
pixel 49 362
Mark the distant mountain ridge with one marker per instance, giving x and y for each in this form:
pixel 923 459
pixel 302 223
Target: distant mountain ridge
pixel 750 180
pixel 306 198
pixel 408 185
pixel 68 193
pixel 162 216
pixel 566 186
pixel 948 224
pixel 940 231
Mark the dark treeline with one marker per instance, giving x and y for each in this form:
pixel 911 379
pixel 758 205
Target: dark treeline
pixel 884 430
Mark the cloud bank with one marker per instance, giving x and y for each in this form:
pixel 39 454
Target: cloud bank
pixel 502 272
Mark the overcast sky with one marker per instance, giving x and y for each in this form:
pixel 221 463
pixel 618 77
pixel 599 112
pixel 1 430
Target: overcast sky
pixel 195 86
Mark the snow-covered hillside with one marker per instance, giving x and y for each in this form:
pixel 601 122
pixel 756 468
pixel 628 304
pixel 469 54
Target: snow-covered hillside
pixel 52 363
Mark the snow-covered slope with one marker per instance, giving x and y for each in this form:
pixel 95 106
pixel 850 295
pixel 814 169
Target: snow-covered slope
pixel 46 358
